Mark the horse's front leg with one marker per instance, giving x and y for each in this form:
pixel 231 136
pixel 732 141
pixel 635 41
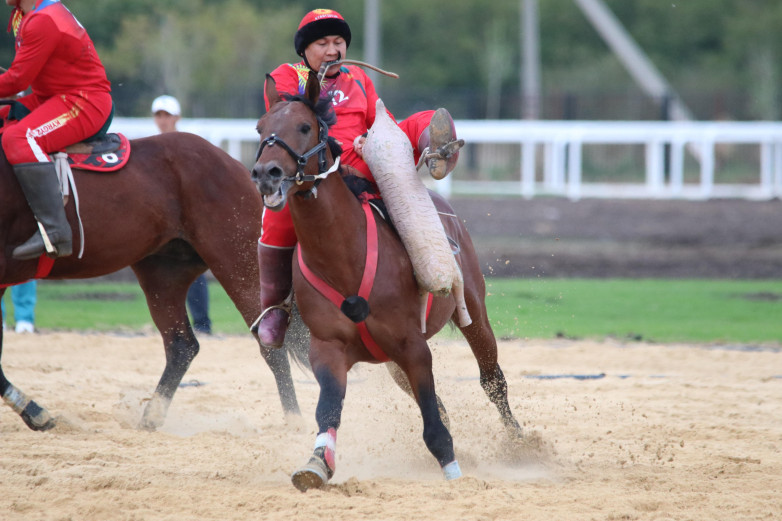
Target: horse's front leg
pixel 34 416
pixel 181 348
pixel 330 369
pixel 418 367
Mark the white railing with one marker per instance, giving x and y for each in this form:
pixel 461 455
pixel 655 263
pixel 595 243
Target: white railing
pixel 562 144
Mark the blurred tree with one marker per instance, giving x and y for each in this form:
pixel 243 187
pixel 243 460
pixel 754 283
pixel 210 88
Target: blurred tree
pixel 213 58
pixel 722 56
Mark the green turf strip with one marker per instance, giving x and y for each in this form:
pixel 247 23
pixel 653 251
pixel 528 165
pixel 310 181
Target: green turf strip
pixel 707 311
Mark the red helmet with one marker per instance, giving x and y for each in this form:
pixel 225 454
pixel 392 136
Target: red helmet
pixel 317 24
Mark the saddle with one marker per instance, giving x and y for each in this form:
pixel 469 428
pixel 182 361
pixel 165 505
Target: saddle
pixel 108 153
pixel 102 152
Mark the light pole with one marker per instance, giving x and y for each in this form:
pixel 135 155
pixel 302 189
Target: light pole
pixel 530 60
pixel 372 37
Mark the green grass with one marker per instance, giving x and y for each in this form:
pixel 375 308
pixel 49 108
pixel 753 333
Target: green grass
pixel 722 311
pixel 651 310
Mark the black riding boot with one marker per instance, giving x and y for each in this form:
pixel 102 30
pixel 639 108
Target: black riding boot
pixel 276 283
pixel 42 190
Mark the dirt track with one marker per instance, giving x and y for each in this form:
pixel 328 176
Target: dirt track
pixel 616 432
pixel 625 238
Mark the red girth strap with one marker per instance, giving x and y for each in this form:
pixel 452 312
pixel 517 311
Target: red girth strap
pixel 367 281
pixel 45 265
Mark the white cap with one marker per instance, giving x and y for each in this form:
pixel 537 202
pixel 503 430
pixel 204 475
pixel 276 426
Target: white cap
pixel 166 103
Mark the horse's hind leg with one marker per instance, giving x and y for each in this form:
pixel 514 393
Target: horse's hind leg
pixel 484 346
pixel 34 416
pixel 481 337
pixel 401 380
pixel 165 282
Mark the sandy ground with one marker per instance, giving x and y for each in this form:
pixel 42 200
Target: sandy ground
pixel 668 432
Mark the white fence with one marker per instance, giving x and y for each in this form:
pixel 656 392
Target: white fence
pixel 551 155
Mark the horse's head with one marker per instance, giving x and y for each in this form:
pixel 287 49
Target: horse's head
pixel 295 150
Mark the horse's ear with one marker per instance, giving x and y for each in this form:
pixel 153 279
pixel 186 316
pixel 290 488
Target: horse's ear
pixel 312 90
pixel 270 90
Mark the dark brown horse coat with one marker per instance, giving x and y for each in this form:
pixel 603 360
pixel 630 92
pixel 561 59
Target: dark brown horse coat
pixel 331 230
pixel 180 206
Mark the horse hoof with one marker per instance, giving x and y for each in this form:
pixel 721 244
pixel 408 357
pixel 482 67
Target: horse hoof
pixel 34 416
pixel 314 474
pixel 146 425
pixel 40 421
pixel 154 413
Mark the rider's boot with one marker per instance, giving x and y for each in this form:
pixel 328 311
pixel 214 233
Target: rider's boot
pixel 276 294
pixel 443 147
pixel 42 190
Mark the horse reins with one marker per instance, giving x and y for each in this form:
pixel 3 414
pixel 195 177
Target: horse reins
pixel 303 159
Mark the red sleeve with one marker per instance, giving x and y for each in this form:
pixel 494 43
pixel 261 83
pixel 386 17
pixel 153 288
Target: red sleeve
pixel 372 98
pixel 39 37
pixel 286 79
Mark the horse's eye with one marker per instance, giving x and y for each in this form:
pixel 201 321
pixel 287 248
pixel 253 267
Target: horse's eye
pixel 305 128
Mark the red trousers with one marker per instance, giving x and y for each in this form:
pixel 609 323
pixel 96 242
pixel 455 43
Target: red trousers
pixel 53 124
pixel 277 229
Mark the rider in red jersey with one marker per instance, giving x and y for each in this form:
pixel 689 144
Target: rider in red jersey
pixel 70 102
pixel 323 36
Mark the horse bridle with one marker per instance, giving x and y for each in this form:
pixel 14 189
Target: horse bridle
pixel 301 160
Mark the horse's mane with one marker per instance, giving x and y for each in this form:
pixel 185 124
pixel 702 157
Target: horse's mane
pixel 324 109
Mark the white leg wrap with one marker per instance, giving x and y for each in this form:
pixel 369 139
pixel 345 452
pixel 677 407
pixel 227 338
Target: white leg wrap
pixel 327 439
pixel 452 471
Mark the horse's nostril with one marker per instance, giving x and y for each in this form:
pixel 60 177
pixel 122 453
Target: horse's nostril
pixel 274 171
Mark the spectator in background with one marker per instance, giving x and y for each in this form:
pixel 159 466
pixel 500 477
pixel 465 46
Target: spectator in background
pixel 24 297
pixel 167 111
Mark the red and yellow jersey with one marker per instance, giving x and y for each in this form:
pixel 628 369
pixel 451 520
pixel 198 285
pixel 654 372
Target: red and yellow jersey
pixel 54 55
pixel 353 95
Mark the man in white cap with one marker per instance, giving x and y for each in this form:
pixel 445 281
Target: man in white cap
pixel 167 111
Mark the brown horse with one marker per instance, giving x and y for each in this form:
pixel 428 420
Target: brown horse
pixel 179 206
pixel 294 166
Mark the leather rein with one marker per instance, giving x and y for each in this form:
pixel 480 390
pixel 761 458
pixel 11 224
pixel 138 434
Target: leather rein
pixel 302 159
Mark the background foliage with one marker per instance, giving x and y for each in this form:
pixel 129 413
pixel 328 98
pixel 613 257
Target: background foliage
pixel 721 56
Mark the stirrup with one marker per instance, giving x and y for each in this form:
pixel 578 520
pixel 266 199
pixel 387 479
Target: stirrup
pixel 286 305
pixel 440 154
pixel 41 244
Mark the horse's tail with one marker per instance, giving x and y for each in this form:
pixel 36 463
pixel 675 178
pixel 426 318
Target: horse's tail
pixel 297 340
